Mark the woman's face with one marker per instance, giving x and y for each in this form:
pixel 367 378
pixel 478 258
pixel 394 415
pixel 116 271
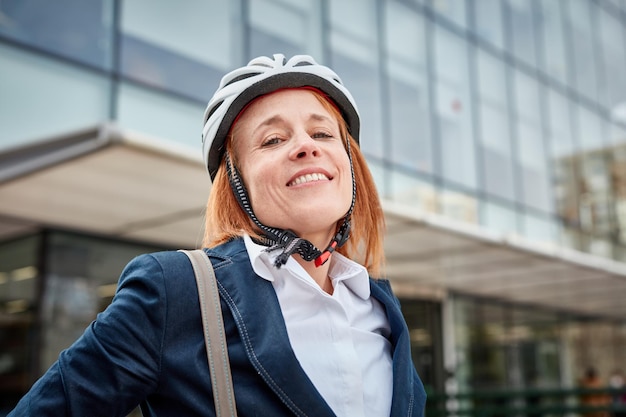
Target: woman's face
pixel 293 162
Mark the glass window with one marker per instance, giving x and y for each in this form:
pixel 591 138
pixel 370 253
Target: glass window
pixel 412 191
pixel 76 29
pixel 82 275
pixel 424 322
pixel 41 97
pixel 523 31
pixel 458 206
pixel 614 3
pixel 454 10
pixel 559 126
pixel 536 189
pixel 173 46
pixel 498 218
pixel 563 165
pixel 486 352
pixel 594 206
pixel 354 56
pixel 408 89
pixel 531 150
pixel 618 183
pixel 584 47
pixel 160 115
pixel 453 109
pixel 380 173
pixel 550 24
pixel 539 229
pixel 526 98
pixel 495 136
pixel 590 132
pixel 613 85
pixel 299 31
pixel 592 166
pixel 19 278
pixel 488 21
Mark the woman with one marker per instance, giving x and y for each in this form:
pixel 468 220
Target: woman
pixel 309 333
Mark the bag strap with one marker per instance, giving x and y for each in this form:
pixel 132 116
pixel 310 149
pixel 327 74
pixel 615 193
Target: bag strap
pixel 214 334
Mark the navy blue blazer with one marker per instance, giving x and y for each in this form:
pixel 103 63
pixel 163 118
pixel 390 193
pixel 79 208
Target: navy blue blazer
pixel 148 348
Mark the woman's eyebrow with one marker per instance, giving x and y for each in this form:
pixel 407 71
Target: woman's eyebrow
pixel 320 117
pixel 278 119
pixel 270 121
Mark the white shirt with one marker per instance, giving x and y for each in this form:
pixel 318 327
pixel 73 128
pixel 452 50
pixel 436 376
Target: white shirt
pixel 340 340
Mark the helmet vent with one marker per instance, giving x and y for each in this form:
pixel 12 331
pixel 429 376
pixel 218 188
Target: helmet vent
pixel 213 109
pixel 242 77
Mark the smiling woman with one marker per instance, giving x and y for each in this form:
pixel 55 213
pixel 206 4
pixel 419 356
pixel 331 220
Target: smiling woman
pixel 294 232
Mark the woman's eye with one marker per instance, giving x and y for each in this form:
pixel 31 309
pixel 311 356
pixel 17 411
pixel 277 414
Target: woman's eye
pixel 321 135
pixel 272 141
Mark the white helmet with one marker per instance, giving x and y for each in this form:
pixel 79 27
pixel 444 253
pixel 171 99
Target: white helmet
pixel 261 76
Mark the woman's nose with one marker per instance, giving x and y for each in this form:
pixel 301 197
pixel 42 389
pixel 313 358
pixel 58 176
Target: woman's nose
pixel 304 145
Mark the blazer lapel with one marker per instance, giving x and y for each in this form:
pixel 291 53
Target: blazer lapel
pixel 255 308
pixel 404 374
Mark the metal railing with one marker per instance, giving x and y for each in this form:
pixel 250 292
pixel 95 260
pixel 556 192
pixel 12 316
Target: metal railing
pixel 572 402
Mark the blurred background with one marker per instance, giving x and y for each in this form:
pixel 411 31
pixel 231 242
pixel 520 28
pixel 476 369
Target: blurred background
pixel 495 129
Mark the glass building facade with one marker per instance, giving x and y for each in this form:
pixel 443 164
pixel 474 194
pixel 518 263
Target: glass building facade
pixel 507 114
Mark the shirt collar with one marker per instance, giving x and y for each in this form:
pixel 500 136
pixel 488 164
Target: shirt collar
pixel 342 269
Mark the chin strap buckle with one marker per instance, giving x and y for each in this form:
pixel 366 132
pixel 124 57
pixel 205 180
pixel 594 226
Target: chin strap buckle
pixel 338 241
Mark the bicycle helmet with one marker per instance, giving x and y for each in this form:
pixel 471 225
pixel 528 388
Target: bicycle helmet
pixel 264 75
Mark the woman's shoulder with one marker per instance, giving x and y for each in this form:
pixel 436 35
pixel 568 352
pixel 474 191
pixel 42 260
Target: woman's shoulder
pixel 225 251
pixel 383 284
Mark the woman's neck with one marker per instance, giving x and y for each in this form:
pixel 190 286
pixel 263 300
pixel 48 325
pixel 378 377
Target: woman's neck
pixel 318 273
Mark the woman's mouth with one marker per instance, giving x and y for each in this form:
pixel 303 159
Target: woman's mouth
pixel 302 179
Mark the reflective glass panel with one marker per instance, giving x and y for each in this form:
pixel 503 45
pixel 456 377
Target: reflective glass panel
pixel 354 56
pixel 495 137
pixel 613 83
pixel 550 24
pixel 618 183
pixel 453 109
pixel 82 275
pixel 521 14
pixel 539 229
pixel 559 125
pixel 19 282
pixel 498 218
pixel 531 150
pixel 174 46
pixel 457 205
pixel 76 29
pixel 594 205
pixel 454 10
pixel 413 191
pixel 591 135
pixel 563 165
pixel 584 47
pixel 408 89
pixel 299 31
pixel 160 115
pixel 536 187
pixel 41 97
pixel 488 21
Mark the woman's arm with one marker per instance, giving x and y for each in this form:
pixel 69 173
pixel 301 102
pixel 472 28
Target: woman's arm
pixel 115 364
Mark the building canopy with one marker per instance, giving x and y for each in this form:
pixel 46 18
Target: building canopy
pixel 120 184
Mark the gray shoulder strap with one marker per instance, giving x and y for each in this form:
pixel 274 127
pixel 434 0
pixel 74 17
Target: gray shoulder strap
pixel 214 335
